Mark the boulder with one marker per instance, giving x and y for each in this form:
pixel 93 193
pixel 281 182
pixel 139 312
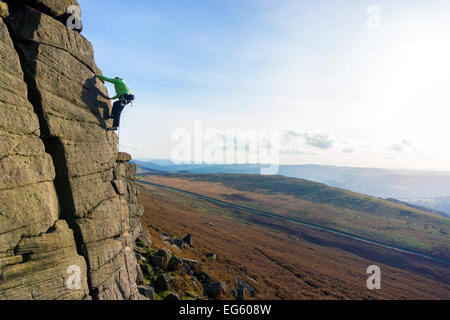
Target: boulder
pixel 148 270
pixel 141 258
pixel 139 276
pixel 172 296
pixel 123 157
pixel 164 254
pixel 169 240
pixel 164 237
pixel 212 256
pixel 242 284
pixel 203 277
pixel 191 295
pixel 188 240
pixel 215 289
pixel 179 243
pixel 188 270
pixel 240 294
pixel 147 291
pixel 157 261
pixel 193 264
pixel 163 282
pixel 174 263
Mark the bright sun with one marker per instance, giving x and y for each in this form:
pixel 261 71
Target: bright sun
pixel 414 100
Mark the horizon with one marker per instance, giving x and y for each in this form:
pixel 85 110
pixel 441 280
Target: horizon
pixel 287 164
pixel 345 85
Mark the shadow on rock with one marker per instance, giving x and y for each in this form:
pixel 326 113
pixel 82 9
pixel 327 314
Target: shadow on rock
pixel 90 97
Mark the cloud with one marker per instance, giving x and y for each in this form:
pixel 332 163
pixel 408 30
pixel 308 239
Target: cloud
pixel 348 150
pixel 130 147
pixel 295 152
pixel 406 143
pixel 396 147
pixel 400 146
pixel 293 134
pixel 321 141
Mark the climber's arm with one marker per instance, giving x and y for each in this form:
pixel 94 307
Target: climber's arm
pixel 115 81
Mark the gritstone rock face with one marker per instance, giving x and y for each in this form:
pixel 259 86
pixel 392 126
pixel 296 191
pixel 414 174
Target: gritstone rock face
pixel 68 201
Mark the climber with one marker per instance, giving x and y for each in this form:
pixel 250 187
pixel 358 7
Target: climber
pixel 123 93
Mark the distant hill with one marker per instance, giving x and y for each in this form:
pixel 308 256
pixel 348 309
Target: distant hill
pixel 440 204
pixel 423 208
pixel 422 188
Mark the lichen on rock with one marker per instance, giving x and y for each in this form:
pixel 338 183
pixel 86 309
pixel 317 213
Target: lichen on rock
pixel 4 11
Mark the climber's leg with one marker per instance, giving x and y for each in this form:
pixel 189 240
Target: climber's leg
pixel 116 122
pixel 116 111
pixel 116 106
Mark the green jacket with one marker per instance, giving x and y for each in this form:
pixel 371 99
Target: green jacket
pixel 120 86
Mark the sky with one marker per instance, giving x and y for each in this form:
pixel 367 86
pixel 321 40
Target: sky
pixel 360 83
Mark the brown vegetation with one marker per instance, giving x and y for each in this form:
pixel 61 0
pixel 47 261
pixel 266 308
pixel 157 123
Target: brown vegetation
pixel 283 261
pixel 357 214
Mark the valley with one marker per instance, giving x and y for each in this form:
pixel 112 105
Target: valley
pixel 280 259
pixel 356 214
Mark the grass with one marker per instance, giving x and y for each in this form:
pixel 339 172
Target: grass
pixel 285 261
pixel 368 217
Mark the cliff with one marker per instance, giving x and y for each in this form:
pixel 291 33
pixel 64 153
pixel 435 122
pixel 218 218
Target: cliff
pixel 68 210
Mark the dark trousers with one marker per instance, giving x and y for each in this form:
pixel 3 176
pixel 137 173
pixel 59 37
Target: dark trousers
pixel 116 111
